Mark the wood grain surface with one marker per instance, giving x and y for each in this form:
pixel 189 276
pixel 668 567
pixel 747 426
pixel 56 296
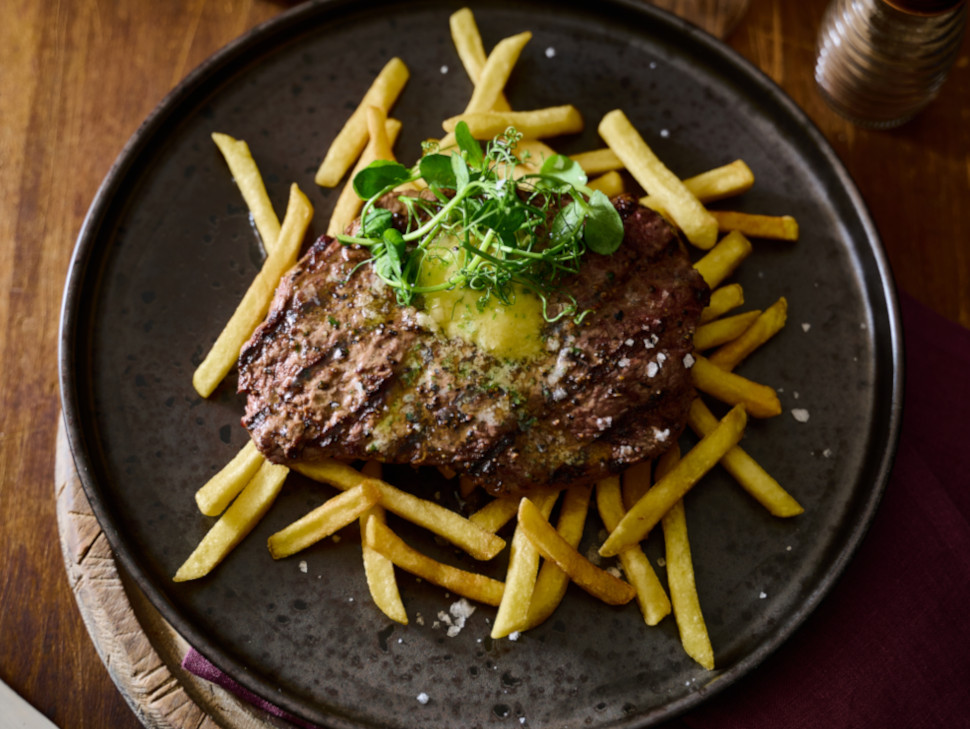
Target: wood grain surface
pixel 76 80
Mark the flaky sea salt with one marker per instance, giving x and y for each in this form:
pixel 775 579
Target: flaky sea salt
pixel 423 698
pixel 800 414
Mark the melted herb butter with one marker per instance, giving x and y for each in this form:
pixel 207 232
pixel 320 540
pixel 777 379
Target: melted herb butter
pixel 507 331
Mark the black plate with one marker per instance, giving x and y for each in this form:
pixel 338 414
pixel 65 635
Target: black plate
pixel 167 250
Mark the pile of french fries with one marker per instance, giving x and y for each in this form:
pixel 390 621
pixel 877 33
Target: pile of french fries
pixel 543 558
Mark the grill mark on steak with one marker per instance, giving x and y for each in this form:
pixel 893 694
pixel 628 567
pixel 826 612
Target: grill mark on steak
pixel 339 369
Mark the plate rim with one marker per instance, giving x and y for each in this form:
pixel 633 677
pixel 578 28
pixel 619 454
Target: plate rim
pixel 287 25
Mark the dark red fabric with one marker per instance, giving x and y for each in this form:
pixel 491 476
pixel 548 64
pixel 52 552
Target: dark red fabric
pixel 890 646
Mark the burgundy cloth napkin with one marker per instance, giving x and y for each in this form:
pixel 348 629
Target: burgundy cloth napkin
pixel 890 646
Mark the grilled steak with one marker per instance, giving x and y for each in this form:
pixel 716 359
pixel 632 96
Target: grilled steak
pixel 339 369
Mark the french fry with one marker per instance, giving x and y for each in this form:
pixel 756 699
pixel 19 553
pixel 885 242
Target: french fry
pixel 244 171
pixel 597 582
pixel 466 486
pixel 520 579
pixel 723 300
pixel 495 73
pixel 722 260
pixel 533 152
pixel 598 161
pixel 219 491
pixel 609 183
pixel 765 326
pixel 468 584
pixel 759 400
pixel 235 523
pixel 552 582
pixel 331 516
pixel 377 133
pixel 746 470
pixel 446 523
pixel 774 227
pixel 495 514
pixel 685 209
pixel 651 597
pixel 716 184
pixel 720 331
pixel 351 139
pixel 550 121
pixel 348 204
pixel 378 569
pixel 471 50
pixel 647 512
pixel 680 576
pixel 256 302
pixel 635 483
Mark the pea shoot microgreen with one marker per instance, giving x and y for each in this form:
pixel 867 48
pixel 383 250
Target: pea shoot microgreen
pixel 514 233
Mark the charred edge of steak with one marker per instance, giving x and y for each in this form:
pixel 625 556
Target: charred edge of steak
pixel 338 369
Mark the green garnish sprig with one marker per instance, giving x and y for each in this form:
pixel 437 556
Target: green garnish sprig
pixel 527 233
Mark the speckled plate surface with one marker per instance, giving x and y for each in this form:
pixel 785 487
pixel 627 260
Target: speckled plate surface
pixel 167 251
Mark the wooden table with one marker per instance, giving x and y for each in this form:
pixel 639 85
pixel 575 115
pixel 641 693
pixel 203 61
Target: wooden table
pixel 77 78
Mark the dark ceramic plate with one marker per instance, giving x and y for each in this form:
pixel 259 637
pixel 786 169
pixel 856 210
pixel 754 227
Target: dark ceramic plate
pixel 167 250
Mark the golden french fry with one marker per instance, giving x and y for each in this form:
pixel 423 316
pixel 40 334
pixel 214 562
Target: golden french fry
pixel 351 139
pixel 723 300
pixel 446 523
pixel 468 584
pixel 685 209
pixel 720 331
pixel 219 491
pixel 495 73
pixel 680 576
pixel 722 260
pixel 348 204
pixel 775 227
pixel 770 322
pixel 377 132
pixel 653 600
pixel 471 51
pixel 244 171
pixel 551 121
pixel 647 512
pixel 636 481
pixel 533 152
pixel 597 582
pixel 378 569
pixel 331 516
pixel 237 521
pixel 466 486
pixel 256 302
pixel 745 469
pixel 552 582
pixel 609 183
pixel 520 579
pixel 716 184
pixel 598 161
pixel 495 514
pixel 759 400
